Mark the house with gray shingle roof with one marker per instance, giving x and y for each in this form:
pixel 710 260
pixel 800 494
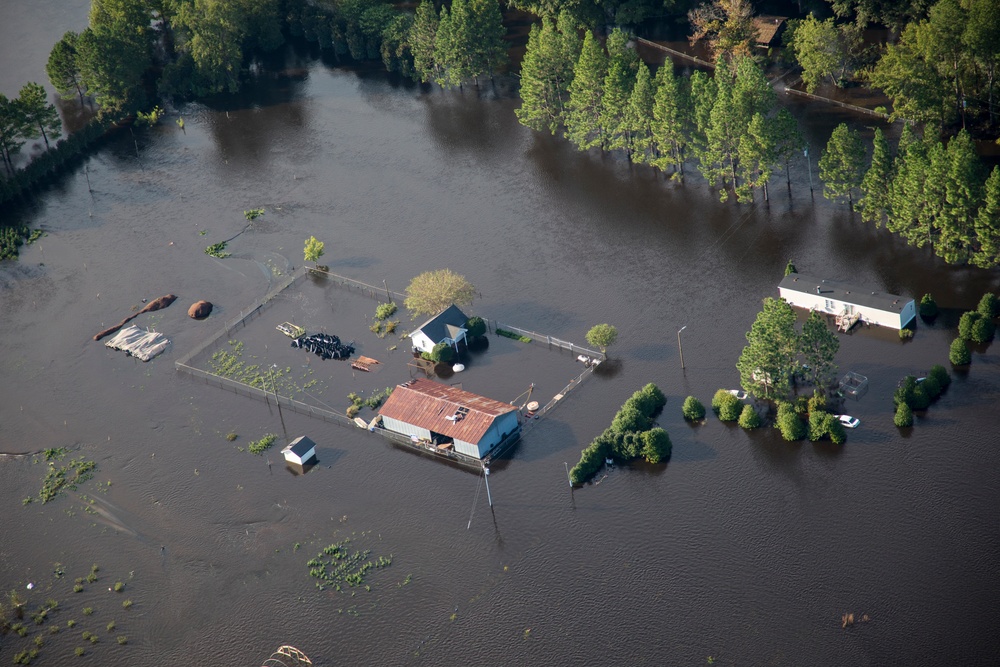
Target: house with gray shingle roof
pixel 448 326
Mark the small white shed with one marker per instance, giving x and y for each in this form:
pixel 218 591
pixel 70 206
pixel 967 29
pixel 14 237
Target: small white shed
pixel 836 298
pixel 448 326
pixel 300 450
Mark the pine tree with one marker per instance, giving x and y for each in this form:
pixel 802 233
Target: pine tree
pixel 463 46
pixel 12 131
pixel 841 164
pixel 536 111
pixel 757 155
pixel 639 117
pixel 445 55
pixel 487 48
pixel 718 162
pixel 788 141
pixel 62 68
pixel 818 345
pixel 963 193
pixel 704 90
pixel 38 113
pixel 906 191
pixel 618 83
pixel 932 201
pixel 423 36
pixel 670 120
pixel 987 253
pixel 874 202
pixel 585 94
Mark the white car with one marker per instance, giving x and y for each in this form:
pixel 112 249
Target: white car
pixel 849 421
pixel 738 393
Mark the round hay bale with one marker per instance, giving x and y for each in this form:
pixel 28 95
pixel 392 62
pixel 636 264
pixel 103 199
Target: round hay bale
pixel 200 310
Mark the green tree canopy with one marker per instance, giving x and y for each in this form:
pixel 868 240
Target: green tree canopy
pixel 37 113
pixel 583 126
pixel 602 336
pixel 823 49
pixel 875 201
pixel 12 130
pixel 313 249
pixel 433 291
pixel 987 225
pixel 62 68
pixel 768 360
pixel 423 40
pixel 818 345
pixel 672 120
pixel 842 164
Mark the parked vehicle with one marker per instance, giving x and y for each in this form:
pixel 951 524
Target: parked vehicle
pixel 848 421
pixel 738 393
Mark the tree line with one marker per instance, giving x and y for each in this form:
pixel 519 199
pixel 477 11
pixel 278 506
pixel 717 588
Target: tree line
pixel 933 194
pixel 604 96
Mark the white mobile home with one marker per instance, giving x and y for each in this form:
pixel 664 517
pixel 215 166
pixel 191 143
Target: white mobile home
pixel 446 416
pixel 843 300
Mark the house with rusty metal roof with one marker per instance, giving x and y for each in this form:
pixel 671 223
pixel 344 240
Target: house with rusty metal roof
pixel 447 417
pixel 448 326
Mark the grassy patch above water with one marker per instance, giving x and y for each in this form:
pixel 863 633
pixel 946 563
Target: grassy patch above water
pixel 511 334
pixel 260 446
pixel 338 566
pixel 59 478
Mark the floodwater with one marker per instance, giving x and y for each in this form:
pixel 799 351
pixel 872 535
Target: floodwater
pixel 743 550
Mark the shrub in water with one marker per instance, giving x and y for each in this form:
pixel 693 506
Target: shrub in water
pixel 475 327
pixel 988 305
pixel 905 334
pixel 931 386
pixel 789 423
pixel 385 311
pixel 817 402
pixel 919 400
pixel 630 419
pixel 692 409
pixel 904 416
pixel 939 373
pixel 959 354
pixel 818 428
pixel 838 435
pixel 983 330
pixel 904 392
pixel 649 400
pixel 749 418
pixel 966 324
pixel 656 445
pixel 442 353
pixel 726 406
pixel 928 307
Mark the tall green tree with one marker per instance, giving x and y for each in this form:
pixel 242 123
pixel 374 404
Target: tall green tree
pixel 214 31
pixel 717 163
pixel 62 68
pixel 842 163
pixel 767 361
pixel 638 122
pixel 704 90
pixel 487 31
pixel 115 52
pixel 982 38
pixel 823 49
pixel 915 86
pixel 963 194
pixel 757 154
pixel 12 131
pixel 906 189
pixel 788 141
pixel 449 61
pixel 618 83
pixel 546 72
pixel 37 113
pixel 819 345
pixel 875 200
pixel 671 120
pixel 932 202
pixel 423 35
pixel 987 251
pixel 583 126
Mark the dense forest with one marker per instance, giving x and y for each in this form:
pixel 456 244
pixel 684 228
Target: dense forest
pixel 583 80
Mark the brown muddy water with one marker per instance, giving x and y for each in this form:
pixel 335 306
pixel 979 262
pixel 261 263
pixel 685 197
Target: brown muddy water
pixel 743 549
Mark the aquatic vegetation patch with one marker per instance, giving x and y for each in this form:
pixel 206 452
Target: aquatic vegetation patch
pixel 339 566
pixel 11 238
pixel 217 250
pixel 512 335
pixel 59 478
pixel 260 446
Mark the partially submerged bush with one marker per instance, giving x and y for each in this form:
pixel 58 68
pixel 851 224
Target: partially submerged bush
pixel 836 431
pixel 928 307
pixel 789 423
pixel 656 445
pixel 726 406
pixel 942 376
pixel 959 354
pixel 903 416
pixel 819 425
pixel 749 419
pixel 988 305
pixel 442 353
pixel 475 327
pixel 692 409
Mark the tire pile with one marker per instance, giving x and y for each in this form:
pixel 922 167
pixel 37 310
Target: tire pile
pixel 325 346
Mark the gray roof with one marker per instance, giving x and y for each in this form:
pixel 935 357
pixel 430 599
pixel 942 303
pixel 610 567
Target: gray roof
pixel 300 446
pixel 845 292
pixel 446 324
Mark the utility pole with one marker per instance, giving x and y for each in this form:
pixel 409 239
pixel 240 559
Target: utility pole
pixel 809 164
pixel 486 476
pixel 679 348
pixel 568 478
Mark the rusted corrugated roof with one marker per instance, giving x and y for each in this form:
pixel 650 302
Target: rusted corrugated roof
pixel 428 405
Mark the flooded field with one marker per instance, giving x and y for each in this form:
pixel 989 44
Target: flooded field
pixel 743 548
